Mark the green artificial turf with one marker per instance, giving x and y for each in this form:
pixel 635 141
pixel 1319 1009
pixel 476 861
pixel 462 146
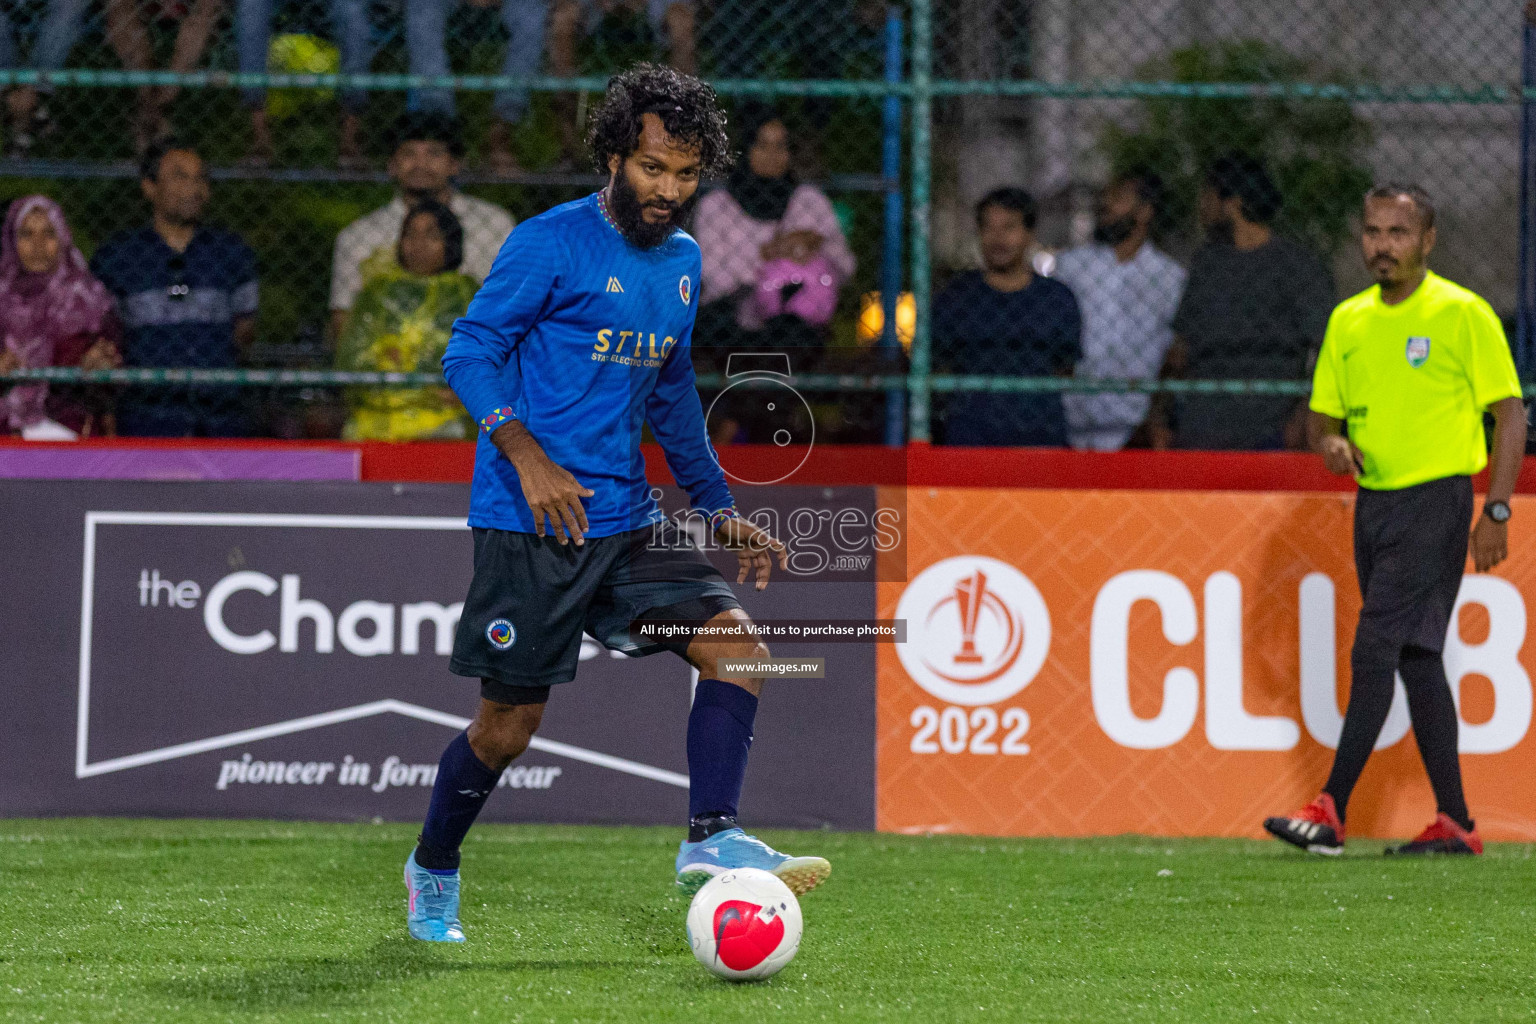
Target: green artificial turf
pixel 152 921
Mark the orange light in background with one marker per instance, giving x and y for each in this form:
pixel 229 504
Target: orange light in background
pixel 872 319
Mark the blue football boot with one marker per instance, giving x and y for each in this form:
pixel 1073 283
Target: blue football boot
pixel 732 848
pixel 432 904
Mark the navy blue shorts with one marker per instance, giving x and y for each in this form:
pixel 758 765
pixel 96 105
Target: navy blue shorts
pixel 532 598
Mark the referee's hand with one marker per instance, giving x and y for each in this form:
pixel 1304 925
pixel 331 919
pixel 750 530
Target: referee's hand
pixel 551 491
pixel 754 550
pixel 1489 544
pixel 1341 456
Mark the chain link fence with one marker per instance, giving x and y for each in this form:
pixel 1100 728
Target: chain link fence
pixel 1126 122
pixel 1087 222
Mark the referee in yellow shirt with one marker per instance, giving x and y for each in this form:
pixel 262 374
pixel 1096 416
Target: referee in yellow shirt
pixel 1406 371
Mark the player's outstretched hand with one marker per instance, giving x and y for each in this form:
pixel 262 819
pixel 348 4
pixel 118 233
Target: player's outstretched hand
pixel 552 492
pixel 1489 544
pixel 754 549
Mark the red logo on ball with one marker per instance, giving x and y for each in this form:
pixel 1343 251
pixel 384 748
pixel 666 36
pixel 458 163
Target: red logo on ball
pixel 745 934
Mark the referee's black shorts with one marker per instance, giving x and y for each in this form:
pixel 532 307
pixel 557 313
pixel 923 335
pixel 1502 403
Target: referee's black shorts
pixel 532 598
pixel 1410 553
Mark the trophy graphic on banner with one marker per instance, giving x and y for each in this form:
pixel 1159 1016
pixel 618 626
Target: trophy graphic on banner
pixel 968 594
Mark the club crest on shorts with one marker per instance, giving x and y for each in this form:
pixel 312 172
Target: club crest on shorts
pixel 1418 352
pixel 685 289
pixel 501 634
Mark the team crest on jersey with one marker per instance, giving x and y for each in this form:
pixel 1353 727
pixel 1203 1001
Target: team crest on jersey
pixel 1418 352
pixel 501 634
pixel 685 289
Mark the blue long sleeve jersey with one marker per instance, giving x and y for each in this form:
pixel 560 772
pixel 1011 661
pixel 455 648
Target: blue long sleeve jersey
pixel 584 338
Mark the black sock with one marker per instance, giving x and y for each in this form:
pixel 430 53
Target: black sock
pixel 1435 726
pixel 719 737
pixel 702 826
pixel 1372 665
pixel 434 858
pixel 462 785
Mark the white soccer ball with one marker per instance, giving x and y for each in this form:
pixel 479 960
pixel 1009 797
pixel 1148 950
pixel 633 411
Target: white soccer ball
pixel 745 925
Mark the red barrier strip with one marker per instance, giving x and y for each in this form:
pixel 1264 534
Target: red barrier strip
pixel 844 465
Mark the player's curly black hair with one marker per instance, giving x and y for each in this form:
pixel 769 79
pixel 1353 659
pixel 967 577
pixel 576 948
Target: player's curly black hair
pixel 687 107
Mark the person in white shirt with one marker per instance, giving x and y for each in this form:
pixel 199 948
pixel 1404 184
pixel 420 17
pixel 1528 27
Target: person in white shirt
pixel 427 153
pixel 1128 291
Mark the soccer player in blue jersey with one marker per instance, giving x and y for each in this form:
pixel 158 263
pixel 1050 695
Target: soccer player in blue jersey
pixel 580 335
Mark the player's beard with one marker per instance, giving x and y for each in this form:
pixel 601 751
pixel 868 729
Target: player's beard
pixel 629 214
pixel 1113 232
pixel 1222 232
pixel 1003 261
pixel 414 197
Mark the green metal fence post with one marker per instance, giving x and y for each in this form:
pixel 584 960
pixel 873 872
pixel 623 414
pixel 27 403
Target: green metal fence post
pixel 922 174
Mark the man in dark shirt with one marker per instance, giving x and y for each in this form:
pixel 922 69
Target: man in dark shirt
pixel 1255 308
pixel 187 293
pixel 1006 319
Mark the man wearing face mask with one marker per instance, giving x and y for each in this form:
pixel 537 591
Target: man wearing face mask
pixel 1255 308
pixel 1128 291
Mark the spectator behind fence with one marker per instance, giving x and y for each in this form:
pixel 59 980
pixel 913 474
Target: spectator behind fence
pixel 58 24
pixel 1255 308
pixel 401 323
pixel 52 313
pixel 1128 291
pixel 772 246
pixel 427 153
pixel 187 294
pixel 426 26
pixel 127 30
pixel 1006 320
pixel 624 22
pixel 793 39
pixel 352 32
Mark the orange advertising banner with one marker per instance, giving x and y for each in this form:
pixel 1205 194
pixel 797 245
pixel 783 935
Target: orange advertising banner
pixel 1168 663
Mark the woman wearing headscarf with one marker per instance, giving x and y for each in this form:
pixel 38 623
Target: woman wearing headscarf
pixel 53 312
pixel 401 323
pixel 769 242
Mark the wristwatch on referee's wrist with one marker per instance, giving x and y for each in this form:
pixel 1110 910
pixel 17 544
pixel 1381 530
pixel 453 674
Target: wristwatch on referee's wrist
pixel 1498 511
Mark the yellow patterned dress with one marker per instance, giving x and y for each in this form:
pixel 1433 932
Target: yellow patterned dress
pixel 401 323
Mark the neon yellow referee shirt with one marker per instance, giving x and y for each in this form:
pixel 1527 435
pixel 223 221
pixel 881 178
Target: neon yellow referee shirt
pixel 1412 381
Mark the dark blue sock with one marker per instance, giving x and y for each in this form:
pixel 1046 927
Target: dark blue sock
pixel 462 786
pixel 719 736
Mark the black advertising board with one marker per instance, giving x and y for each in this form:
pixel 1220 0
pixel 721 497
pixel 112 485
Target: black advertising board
pixel 280 650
